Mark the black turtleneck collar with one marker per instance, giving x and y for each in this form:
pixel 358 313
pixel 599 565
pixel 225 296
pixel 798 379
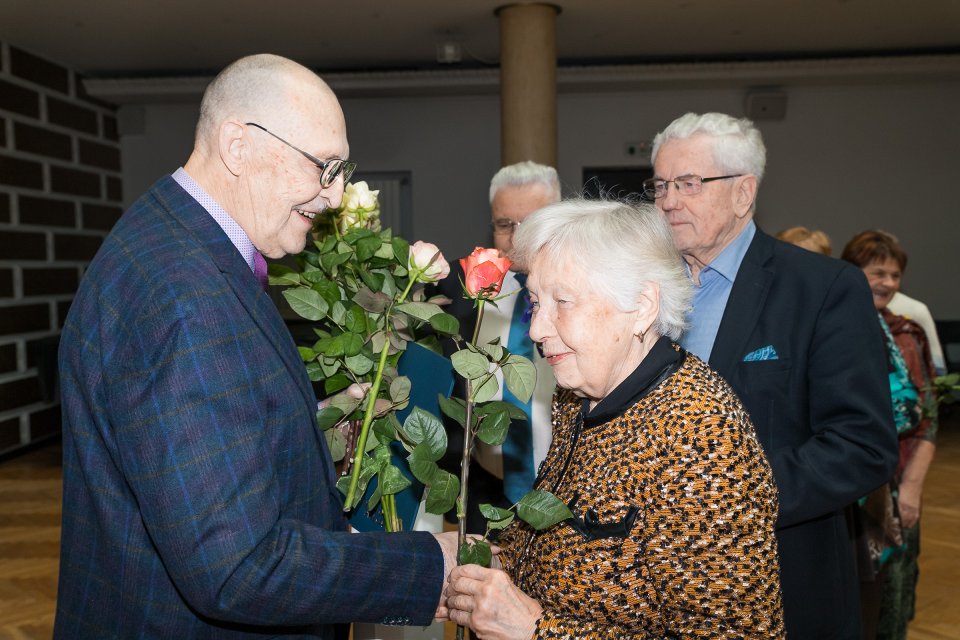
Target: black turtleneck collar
pixel 661 362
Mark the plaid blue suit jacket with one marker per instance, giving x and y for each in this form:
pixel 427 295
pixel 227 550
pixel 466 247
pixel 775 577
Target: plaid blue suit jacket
pixel 199 497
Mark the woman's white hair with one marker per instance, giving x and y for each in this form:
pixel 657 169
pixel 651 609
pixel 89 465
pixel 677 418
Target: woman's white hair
pixel 622 247
pixel 737 144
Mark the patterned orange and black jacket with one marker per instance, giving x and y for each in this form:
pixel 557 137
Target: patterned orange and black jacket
pixel 675 508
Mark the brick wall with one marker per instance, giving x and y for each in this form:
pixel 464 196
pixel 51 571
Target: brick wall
pixel 60 192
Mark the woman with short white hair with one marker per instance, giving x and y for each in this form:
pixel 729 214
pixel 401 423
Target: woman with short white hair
pixel 673 501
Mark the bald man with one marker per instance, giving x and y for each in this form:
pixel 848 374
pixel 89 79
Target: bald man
pixel 199 497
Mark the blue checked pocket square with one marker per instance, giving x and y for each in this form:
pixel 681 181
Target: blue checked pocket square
pixel 763 353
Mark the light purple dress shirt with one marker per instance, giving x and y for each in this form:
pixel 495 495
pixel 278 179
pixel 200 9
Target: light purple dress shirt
pixel 230 227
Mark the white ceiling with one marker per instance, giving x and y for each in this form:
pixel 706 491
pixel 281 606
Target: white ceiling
pixel 136 38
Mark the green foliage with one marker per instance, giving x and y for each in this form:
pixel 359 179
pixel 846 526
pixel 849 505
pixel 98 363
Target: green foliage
pixel 541 510
pixel 356 287
pixel 475 552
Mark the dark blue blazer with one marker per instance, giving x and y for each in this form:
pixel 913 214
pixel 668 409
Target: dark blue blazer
pixel 822 412
pixel 199 497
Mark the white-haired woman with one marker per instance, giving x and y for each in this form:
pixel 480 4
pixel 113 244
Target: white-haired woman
pixel 673 500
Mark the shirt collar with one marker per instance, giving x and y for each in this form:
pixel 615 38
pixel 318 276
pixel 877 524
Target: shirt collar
pixel 663 359
pixel 728 262
pixel 230 227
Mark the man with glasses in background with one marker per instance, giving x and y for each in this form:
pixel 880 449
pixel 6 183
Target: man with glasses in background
pixel 199 497
pixel 506 473
pixel 796 335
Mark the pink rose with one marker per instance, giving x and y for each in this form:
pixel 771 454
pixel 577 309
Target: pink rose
pixel 426 263
pixel 484 270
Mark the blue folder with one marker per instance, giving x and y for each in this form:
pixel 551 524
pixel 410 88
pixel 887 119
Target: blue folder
pixel 430 375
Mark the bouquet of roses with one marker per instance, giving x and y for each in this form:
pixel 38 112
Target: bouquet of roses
pixel 362 288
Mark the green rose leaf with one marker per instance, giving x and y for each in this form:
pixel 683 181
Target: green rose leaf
pixel 497 518
pixel 335 383
pixel 328 289
pixel 445 323
pixel 520 376
pixel 328 416
pixel 367 247
pixel 372 302
pixel 426 429
pixel 494 350
pixel 345 403
pixel 337 444
pixel 497 406
pixel 356 319
pixel 432 343
pixel 338 313
pixel 419 310
pixel 330 260
pixel 475 552
pixel 315 372
pixel 385 251
pixel 454 408
pixel 307 303
pixel 359 364
pixel 443 492
pixel 347 344
pixel 374 281
pixel 386 428
pixel 493 428
pixel 542 509
pixel 422 468
pixel 306 353
pixel 280 274
pixel 328 366
pixel 470 365
pixel 392 481
pixel 400 389
pixel 372 442
pixel 486 389
pixel 401 249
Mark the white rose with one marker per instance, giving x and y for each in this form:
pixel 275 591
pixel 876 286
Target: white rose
pixel 426 262
pixel 357 196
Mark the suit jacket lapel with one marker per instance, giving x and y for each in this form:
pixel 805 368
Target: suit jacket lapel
pixel 208 233
pixel 746 301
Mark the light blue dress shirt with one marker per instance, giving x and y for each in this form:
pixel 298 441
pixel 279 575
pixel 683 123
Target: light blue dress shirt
pixel 711 295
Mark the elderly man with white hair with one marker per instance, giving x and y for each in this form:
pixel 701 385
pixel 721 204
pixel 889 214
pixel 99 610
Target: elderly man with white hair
pixel 795 334
pixel 199 497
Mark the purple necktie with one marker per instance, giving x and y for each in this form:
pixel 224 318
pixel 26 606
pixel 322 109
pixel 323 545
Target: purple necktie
pixel 260 268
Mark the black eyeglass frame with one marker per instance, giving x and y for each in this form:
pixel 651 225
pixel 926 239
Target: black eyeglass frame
pixel 649 185
pixel 330 169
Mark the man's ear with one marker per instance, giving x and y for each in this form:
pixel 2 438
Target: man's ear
pixel 744 195
pixel 232 145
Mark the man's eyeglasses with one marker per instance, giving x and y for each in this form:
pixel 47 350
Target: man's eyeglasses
pixel 330 170
pixel 656 188
pixel 505 226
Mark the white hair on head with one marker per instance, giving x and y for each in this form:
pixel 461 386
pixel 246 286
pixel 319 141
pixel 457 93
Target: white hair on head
pixel 253 87
pixel 737 144
pixel 620 246
pixel 525 173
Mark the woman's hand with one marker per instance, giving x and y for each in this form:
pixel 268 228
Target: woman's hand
pixel 488 602
pixel 908 502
